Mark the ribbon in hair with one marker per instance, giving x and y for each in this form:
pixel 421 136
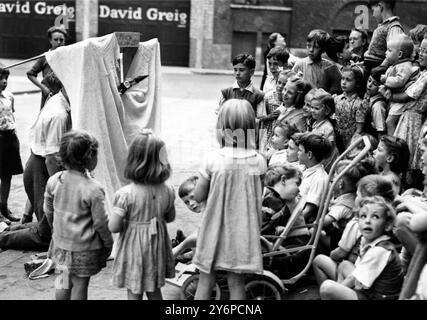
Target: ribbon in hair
pixel 357 65
pixel 147 132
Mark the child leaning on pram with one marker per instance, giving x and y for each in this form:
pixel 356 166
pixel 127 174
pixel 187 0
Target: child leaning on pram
pixel 183 246
pixel 281 190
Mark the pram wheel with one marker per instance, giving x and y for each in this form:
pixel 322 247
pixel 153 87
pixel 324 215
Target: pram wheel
pixel 188 289
pixel 261 289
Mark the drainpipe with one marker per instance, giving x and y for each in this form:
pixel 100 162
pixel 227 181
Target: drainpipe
pixel 86 19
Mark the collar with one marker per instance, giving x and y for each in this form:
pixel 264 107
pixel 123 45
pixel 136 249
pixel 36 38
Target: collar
pixel 372 244
pixel 313 168
pixel 388 20
pixel 346 199
pixel 318 124
pixel 278 152
pixel 402 61
pixel 276 194
pixel 308 60
pixel 349 97
pixel 249 88
pixel 378 95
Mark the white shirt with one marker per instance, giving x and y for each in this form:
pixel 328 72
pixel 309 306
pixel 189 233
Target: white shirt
pixel 279 157
pixel 52 122
pixel 314 184
pixel 371 262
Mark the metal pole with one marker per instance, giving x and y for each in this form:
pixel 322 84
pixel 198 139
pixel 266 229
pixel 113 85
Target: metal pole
pixel 25 61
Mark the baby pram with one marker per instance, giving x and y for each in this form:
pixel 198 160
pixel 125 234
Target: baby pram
pixel 269 286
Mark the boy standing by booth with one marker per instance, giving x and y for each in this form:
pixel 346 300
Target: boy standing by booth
pixel 243 88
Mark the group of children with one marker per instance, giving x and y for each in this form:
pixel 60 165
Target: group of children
pixel 303 124
pixel 276 149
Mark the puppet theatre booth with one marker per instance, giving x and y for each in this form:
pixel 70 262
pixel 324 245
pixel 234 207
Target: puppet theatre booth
pixel 90 71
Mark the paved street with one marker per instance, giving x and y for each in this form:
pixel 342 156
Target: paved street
pixel 188 121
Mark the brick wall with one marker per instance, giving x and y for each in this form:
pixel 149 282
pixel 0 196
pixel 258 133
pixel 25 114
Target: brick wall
pixel 213 23
pixel 335 15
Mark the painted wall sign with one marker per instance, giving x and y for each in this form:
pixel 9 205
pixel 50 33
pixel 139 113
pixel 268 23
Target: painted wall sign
pixel 170 15
pixel 174 16
pixel 39 7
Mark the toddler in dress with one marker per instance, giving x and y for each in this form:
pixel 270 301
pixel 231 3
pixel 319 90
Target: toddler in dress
pixel 141 210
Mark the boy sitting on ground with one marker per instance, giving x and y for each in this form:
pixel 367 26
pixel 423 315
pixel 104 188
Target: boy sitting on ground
pixel 377 273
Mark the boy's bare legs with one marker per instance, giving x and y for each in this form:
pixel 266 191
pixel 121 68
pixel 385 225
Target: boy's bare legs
pixel 324 268
pixel 236 284
pixel 345 268
pixel 332 290
pixel 391 123
pixel 134 296
pixel 205 286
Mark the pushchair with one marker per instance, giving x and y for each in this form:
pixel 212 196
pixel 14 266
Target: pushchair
pixel 270 285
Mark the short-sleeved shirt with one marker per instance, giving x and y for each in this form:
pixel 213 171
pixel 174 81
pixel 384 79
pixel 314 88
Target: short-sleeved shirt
pixel 7 119
pixel 278 157
pixel 349 110
pixel 42 66
pixel 314 184
pixel 371 262
pixel 52 123
pixel 350 235
pixel 341 210
pixel 325 129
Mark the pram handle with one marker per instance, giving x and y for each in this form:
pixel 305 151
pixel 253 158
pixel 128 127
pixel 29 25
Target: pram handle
pixel 324 204
pixel 323 208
